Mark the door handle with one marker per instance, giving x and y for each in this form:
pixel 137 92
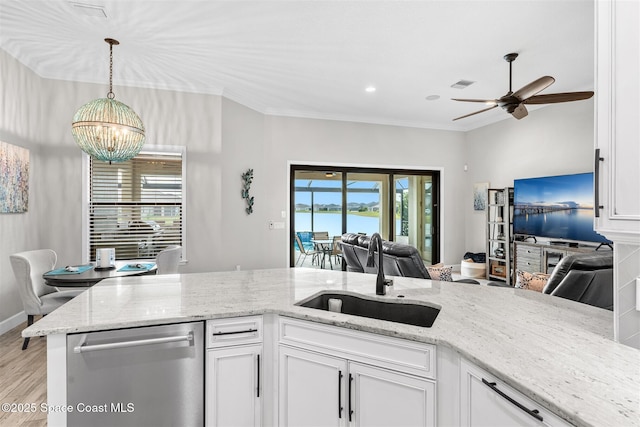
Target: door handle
pixel 533 412
pixel 82 348
pixel 340 394
pixel 350 408
pixel 258 379
pixel 596 184
pixel 248 331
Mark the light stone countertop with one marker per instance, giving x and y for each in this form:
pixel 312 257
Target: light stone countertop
pixel 558 352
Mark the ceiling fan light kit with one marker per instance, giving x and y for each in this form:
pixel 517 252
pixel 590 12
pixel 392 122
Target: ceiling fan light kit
pixel 514 102
pixel 106 129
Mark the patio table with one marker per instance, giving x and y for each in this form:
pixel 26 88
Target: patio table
pixel 326 247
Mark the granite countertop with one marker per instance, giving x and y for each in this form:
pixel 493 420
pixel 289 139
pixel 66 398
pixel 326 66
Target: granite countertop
pixel 558 352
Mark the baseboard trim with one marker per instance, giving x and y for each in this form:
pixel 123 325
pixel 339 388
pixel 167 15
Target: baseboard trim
pixel 13 321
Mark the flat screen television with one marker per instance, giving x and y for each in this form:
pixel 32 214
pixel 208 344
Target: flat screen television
pixel 556 207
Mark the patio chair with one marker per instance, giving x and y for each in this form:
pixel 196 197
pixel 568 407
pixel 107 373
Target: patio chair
pixel 336 251
pixel 321 235
pixel 305 251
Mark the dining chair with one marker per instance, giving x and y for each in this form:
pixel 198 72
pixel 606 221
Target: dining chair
pixel 38 298
pixel 306 252
pixel 168 259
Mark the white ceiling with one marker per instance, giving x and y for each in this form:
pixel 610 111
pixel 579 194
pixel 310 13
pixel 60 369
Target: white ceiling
pixel 315 58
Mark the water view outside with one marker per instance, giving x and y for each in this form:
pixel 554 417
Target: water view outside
pixel 332 222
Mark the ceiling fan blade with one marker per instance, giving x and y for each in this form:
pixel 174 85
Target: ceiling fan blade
pixel 520 112
pixel 477 112
pixel 534 87
pixel 552 98
pixel 484 101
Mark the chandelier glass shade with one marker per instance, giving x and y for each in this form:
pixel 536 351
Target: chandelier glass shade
pixel 107 129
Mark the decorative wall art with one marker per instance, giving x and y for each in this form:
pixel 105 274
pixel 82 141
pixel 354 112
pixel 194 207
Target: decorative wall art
pixel 480 196
pixel 14 178
pixel 247 178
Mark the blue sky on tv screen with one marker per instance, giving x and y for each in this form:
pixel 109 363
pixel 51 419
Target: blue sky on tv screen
pixel 576 188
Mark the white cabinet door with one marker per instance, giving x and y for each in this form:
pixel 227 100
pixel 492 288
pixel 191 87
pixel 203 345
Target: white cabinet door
pixel 485 401
pixel 617 111
pixel 379 397
pixel 312 389
pixel 233 386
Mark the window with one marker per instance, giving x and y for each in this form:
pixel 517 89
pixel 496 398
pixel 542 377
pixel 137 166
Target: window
pixel 136 206
pixel 400 204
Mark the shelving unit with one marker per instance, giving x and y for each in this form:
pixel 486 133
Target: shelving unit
pixel 500 234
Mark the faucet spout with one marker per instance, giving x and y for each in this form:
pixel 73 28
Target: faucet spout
pixel 375 244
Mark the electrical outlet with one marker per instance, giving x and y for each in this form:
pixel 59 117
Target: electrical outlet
pixel 271 225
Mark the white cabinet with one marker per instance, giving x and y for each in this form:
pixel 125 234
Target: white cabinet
pixel 380 397
pixel 233 372
pixel 331 376
pixel 617 125
pixel 312 387
pixel 486 401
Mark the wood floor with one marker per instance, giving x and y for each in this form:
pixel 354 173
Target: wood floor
pixel 23 379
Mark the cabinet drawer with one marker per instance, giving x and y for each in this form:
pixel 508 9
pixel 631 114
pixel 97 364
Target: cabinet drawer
pixel 485 400
pixel 528 258
pixel 236 330
pixel 393 353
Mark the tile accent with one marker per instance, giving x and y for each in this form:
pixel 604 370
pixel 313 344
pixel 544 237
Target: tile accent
pixel 627 318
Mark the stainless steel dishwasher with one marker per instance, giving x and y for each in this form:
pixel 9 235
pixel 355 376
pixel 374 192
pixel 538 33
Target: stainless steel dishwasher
pixel 150 376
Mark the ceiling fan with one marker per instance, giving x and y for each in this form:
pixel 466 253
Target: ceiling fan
pixel 514 102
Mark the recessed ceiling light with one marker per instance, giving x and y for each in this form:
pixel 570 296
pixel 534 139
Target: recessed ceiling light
pixel 432 97
pixel 370 89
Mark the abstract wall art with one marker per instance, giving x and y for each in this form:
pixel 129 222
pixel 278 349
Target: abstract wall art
pixel 480 196
pixel 14 178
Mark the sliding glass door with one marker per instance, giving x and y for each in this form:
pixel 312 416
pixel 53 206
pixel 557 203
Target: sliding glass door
pixel 400 205
pixel 367 203
pixel 318 201
pixel 415 212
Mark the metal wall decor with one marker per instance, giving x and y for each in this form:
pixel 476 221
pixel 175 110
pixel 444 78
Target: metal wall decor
pixel 247 177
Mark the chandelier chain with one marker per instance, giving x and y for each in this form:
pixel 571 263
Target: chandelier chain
pixel 111 95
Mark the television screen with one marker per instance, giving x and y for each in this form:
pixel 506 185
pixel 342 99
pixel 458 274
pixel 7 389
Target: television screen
pixel 557 207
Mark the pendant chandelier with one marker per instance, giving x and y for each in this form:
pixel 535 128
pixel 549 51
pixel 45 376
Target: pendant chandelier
pixel 107 129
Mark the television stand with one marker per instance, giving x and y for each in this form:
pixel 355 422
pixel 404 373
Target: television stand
pixel 543 257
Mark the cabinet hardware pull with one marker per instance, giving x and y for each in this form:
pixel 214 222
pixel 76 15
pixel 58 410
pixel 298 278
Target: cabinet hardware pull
pixel 248 331
pixel 350 409
pixel 596 184
pixel 533 412
pixel 258 387
pixel 340 394
pixel 83 348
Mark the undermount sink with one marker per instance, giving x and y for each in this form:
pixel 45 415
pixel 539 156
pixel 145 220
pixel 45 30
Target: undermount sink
pixel 393 310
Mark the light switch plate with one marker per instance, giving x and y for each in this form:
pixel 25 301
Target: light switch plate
pixel 638 293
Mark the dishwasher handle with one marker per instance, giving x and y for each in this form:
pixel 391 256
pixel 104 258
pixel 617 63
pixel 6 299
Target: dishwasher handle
pixel 82 348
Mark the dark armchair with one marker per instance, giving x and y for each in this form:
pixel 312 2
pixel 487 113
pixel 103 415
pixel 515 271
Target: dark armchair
pixel 399 259
pixel 586 278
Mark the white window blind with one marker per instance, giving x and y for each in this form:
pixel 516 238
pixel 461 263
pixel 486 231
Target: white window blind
pixel 136 206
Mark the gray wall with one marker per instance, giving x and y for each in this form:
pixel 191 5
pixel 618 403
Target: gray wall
pixel 555 140
pixel 223 139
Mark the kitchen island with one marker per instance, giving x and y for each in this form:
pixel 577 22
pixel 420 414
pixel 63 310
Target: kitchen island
pixel 557 352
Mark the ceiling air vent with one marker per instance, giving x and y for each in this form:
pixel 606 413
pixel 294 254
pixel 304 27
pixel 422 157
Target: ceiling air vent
pixel 89 9
pixel 462 84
